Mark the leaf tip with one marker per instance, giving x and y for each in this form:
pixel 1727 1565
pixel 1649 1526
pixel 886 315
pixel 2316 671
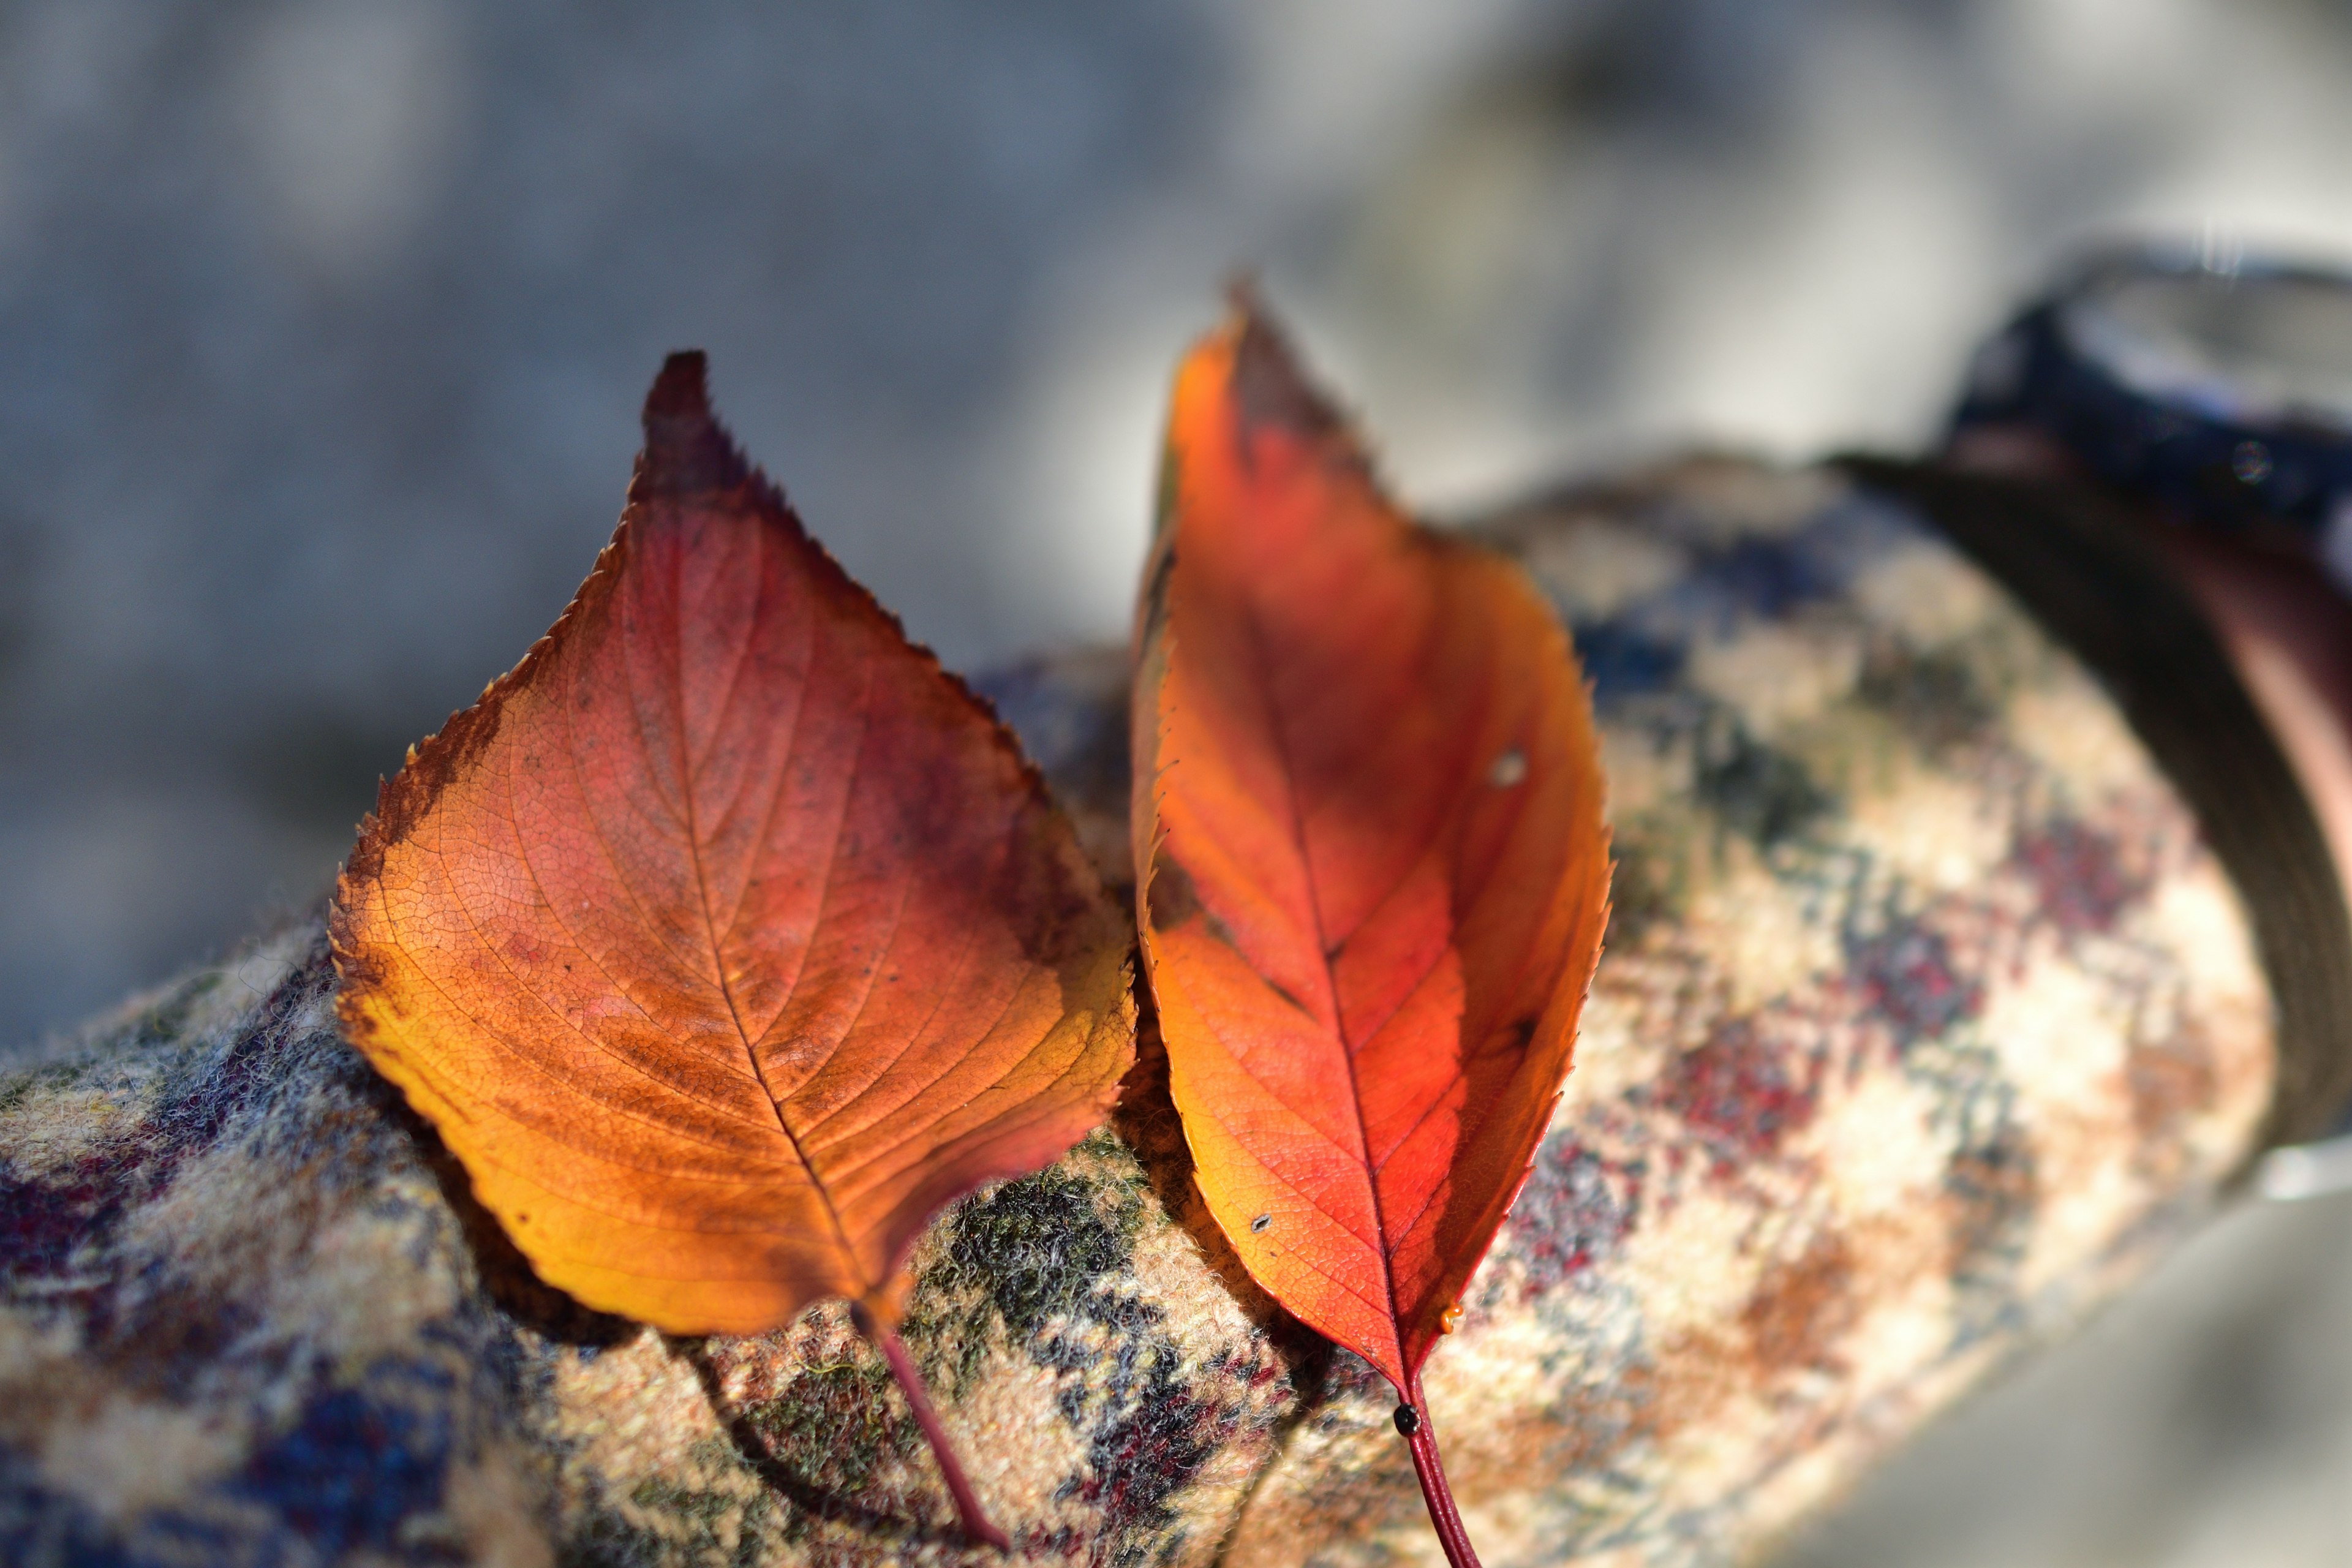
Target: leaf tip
pixel 1270 387
pixel 682 390
pixel 687 451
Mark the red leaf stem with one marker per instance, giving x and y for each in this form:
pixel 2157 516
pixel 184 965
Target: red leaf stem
pixel 1444 1517
pixel 911 1383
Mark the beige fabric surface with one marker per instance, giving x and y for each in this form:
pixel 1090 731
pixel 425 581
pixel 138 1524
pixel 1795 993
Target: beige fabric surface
pixel 1926 1021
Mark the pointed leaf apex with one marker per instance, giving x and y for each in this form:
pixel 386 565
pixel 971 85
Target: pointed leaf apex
pixel 1370 842
pixel 682 390
pixel 687 451
pixel 1270 387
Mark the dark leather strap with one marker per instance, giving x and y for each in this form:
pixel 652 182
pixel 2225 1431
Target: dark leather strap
pixel 2073 558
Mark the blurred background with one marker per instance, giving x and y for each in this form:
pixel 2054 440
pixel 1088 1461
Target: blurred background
pixel 323 327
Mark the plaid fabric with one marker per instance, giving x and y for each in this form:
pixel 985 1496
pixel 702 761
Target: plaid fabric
pixel 1928 1020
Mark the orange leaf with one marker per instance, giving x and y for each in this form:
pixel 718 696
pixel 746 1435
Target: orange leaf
pixel 727 938
pixel 1372 867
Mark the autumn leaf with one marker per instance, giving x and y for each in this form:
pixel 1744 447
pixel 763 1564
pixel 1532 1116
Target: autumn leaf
pixel 1372 867
pixel 727 938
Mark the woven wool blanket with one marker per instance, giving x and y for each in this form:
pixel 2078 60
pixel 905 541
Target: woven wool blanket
pixel 1927 1020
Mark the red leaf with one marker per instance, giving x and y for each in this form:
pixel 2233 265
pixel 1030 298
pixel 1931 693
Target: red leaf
pixel 1372 867
pixel 726 939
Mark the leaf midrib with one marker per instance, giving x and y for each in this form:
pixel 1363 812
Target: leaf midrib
pixel 702 883
pixel 1275 722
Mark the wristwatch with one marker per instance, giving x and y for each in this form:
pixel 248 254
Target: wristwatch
pixel 2214 386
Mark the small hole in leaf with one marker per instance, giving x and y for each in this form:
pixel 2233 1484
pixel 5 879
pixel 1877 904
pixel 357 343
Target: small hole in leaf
pixel 1508 769
pixel 1261 1222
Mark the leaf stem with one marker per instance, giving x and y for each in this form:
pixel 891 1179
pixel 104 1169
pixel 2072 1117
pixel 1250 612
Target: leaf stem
pixel 1421 1439
pixel 885 1339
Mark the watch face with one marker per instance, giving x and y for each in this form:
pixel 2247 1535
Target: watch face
pixel 2273 348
